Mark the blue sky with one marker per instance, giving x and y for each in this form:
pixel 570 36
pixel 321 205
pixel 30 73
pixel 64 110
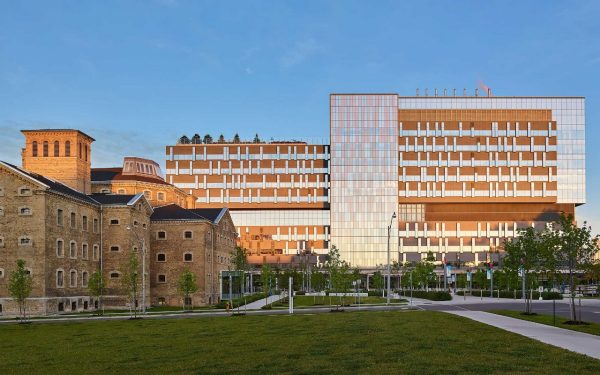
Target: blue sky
pixel 138 74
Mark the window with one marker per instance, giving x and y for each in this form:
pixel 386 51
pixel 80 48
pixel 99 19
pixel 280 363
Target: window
pixel 60 248
pixel 73 249
pixel 161 235
pixel 73 279
pixel 144 225
pixel 187 257
pixel 60 278
pixel 161 257
pixel 34 149
pixel 25 211
pixel 105 191
pixel 1 241
pixel 188 234
pixel 1 274
pixel 73 220
pixel 68 148
pixel 84 223
pixel 84 251
pixel 80 151
pixel 160 196
pixel 115 248
pixel 1 191
pixel 162 301
pixel 84 279
pixel 135 223
pixel 86 153
pixel 114 275
pixel 95 225
pixel 59 217
pixel 162 278
pixel 45 149
pixel 61 306
pixel 1 211
pixel 56 149
pixel 25 241
pixel 24 191
pixel 121 191
pixel 95 252
pixel 187 301
pixel 114 221
pixel 148 194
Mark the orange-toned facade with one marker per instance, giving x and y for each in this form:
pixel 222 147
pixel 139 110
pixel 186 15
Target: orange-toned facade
pixel 460 174
pixel 277 193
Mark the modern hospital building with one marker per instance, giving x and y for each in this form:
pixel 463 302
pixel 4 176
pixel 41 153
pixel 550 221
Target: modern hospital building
pixel 461 173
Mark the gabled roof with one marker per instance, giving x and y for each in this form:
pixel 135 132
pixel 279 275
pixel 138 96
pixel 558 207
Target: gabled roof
pixel 115 199
pixel 173 212
pixel 52 185
pixel 212 214
pixel 105 174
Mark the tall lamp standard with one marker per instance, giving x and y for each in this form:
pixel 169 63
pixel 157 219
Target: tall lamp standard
pixel 143 269
pixel 388 258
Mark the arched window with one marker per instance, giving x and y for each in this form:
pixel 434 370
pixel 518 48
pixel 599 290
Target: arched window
pixel 60 278
pixel 73 250
pixel 86 152
pixel 34 149
pixel 45 148
pixel 160 196
pixel 115 275
pixel 73 279
pixel 56 149
pixel 60 248
pixel 84 279
pixel 84 251
pixel 68 148
pixel 187 257
pixel 160 257
pixel 80 151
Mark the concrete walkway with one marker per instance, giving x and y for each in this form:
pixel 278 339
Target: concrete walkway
pixel 574 341
pixel 256 305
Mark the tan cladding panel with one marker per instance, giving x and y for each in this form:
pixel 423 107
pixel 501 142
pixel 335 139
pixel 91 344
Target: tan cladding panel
pixel 253 148
pixel 481 212
pixel 507 115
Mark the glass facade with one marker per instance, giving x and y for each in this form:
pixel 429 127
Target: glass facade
pixel 364 176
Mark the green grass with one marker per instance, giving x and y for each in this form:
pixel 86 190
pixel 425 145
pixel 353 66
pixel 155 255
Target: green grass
pixel 419 342
pixel 325 301
pixel 592 328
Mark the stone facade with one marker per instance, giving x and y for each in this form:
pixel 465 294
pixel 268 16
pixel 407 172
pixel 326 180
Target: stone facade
pixel 64 233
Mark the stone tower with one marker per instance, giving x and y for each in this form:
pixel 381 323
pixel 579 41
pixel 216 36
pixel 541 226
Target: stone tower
pixel 61 154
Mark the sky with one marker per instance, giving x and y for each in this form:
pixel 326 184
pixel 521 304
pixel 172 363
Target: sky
pixel 136 75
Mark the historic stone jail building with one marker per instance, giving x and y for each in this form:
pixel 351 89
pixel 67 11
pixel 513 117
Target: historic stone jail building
pixel 64 233
pixel 461 173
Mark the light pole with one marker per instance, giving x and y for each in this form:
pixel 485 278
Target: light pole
pixel 388 257
pixel 143 269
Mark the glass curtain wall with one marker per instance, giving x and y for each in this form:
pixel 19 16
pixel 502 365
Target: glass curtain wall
pixel 364 177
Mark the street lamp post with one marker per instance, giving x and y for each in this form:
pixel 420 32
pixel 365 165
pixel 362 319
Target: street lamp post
pixel 143 269
pixel 388 257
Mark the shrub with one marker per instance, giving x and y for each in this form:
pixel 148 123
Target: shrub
pixel 432 295
pixel 374 293
pixel 511 294
pixel 300 293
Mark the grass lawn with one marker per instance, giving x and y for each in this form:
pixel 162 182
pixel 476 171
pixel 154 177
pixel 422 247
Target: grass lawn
pixel 592 328
pixel 320 301
pixel 333 343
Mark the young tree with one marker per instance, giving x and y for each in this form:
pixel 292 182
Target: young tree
pixel 240 264
pixel 184 140
pixel 529 252
pixel 256 138
pixel 574 249
pixel 96 288
pixel 131 281
pixel 207 139
pixel 424 274
pixel 266 278
pixel 397 268
pixel 236 138
pixel 20 286
pixel 187 285
pixel 339 273
pixel 221 139
pixel 378 281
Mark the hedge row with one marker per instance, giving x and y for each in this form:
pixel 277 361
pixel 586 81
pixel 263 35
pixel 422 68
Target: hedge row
pixel 432 295
pixel 511 294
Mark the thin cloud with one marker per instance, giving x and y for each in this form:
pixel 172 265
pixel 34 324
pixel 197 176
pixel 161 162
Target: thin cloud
pixel 300 52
